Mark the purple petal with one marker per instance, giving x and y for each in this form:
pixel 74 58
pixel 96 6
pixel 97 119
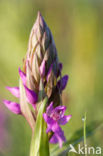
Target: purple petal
pixel 31 96
pixel 42 68
pixel 23 76
pixel 62 82
pixel 53 139
pixel 61 139
pixel 48 120
pixel 14 91
pixel 64 119
pixel 55 127
pixel 59 134
pixel 49 72
pixel 49 109
pixel 12 106
pixel 51 124
pixel 60 110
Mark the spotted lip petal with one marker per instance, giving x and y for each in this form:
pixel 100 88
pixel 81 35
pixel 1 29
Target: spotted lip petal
pixel 61 84
pixel 12 106
pixel 31 96
pixel 14 91
pixel 23 76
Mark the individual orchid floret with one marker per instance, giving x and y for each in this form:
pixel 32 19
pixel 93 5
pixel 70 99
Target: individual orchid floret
pixel 31 96
pixel 14 91
pixel 54 117
pixel 13 106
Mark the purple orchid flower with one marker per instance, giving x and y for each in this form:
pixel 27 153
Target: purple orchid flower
pixel 55 117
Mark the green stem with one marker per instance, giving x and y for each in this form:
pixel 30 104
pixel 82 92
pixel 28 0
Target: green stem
pixel 84 131
pixel 32 146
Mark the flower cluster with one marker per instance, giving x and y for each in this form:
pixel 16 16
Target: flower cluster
pixel 41 74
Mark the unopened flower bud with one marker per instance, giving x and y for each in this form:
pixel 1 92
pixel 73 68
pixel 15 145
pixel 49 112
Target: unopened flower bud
pixel 41 59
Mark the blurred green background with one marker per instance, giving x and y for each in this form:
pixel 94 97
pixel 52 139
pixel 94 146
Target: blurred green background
pixel 77 27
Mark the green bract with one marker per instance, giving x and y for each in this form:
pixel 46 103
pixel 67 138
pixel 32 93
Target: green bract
pixel 40 143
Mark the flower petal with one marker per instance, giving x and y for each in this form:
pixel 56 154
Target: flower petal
pixel 42 68
pixel 49 109
pixel 60 110
pixel 64 119
pixel 31 96
pixel 62 82
pixel 23 76
pixel 48 120
pixel 55 127
pixel 59 134
pixel 51 124
pixel 12 106
pixel 53 139
pixel 14 91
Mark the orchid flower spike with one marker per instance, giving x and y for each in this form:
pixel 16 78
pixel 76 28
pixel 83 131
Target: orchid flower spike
pixel 41 74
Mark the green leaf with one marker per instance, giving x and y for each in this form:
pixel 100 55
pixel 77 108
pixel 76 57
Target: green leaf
pixel 40 143
pixel 76 138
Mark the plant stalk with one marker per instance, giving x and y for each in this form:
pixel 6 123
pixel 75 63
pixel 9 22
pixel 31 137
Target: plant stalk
pixel 84 131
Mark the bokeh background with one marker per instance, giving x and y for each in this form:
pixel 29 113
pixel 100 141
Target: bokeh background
pixel 77 27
